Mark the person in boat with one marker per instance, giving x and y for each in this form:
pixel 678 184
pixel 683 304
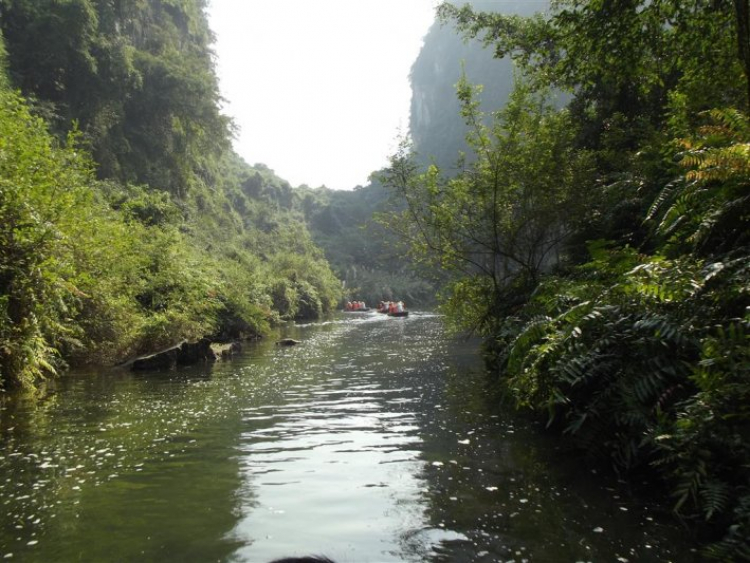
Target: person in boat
pixel 308 559
pixel 400 307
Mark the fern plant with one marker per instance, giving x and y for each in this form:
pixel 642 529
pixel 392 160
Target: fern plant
pixel 708 210
pixel 650 371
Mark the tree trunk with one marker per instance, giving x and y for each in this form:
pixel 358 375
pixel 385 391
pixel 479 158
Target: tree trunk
pixel 742 11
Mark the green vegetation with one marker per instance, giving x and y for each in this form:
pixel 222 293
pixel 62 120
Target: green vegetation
pixel 500 225
pixel 126 223
pixel 603 248
pixel 368 258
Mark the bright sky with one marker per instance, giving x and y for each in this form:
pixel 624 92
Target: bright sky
pixel 318 88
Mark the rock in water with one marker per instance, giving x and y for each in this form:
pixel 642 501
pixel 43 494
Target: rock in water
pixel 184 353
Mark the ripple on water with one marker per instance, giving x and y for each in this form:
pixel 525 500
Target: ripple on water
pixel 373 440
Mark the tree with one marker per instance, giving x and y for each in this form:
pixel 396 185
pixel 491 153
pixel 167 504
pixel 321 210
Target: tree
pixel 505 219
pixel 42 189
pixel 620 56
pixel 137 76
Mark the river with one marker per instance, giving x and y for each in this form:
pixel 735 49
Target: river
pixel 374 440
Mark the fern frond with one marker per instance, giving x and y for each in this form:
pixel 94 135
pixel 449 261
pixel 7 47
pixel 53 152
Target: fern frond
pixel 735 124
pixel 688 484
pixel 531 334
pixel 664 196
pixel 714 497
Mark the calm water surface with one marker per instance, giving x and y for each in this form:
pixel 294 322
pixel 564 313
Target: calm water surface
pixel 374 440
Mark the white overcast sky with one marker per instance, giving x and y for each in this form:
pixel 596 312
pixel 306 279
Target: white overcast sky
pixel 318 88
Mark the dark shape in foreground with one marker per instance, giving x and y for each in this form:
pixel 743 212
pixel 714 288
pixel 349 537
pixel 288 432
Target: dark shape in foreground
pixel 184 353
pixel 287 342
pixel 313 559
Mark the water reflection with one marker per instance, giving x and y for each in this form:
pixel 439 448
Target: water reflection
pixel 114 467
pixel 384 444
pixel 335 460
pixel 376 439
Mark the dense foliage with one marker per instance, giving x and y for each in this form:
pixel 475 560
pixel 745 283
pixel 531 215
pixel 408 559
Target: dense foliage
pixel 602 249
pixel 126 223
pixel 499 226
pixel 137 76
pixel 368 258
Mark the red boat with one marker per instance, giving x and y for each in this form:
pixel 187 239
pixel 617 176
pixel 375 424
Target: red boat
pixel 393 308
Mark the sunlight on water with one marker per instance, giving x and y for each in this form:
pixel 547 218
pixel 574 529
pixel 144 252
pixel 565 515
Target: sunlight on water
pixel 375 439
pixel 337 471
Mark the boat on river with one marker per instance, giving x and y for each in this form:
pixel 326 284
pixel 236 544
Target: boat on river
pixel 393 308
pixel 356 307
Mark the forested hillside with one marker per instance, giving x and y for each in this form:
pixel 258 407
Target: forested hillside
pixel 602 248
pixel 369 259
pixel 126 222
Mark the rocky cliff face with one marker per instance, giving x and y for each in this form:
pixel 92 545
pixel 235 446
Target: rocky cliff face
pixel 436 126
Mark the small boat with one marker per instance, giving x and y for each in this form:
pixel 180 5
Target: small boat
pixel 393 308
pixel 365 310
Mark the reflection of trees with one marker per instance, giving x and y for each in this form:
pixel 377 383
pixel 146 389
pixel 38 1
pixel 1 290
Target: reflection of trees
pixel 143 467
pixel 496 489
pixel 164 473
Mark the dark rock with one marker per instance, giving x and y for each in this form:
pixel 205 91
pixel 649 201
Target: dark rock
pixel 287 342
pixel 183 354
pixel 228 350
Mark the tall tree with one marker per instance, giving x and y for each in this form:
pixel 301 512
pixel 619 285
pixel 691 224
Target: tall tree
pixel 504 219
pixel 742 9
pixel 620 56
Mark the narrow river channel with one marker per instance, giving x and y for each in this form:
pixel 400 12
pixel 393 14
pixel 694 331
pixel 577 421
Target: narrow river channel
pixel 374 440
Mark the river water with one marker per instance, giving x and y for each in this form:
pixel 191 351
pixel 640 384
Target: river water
pixel 374 440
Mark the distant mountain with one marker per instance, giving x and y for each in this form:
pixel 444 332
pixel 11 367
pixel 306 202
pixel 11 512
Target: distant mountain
pixel 368 259
pixel 436 126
